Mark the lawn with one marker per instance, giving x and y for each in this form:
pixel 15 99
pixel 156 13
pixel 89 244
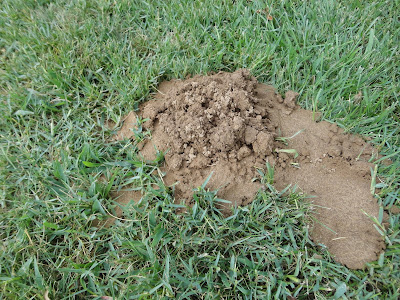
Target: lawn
pixel 67 68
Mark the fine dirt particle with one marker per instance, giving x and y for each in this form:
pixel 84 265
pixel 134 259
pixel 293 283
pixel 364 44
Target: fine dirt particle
pixel 227 124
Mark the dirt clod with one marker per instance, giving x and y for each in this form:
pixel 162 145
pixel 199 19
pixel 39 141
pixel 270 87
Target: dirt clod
pixel 227 124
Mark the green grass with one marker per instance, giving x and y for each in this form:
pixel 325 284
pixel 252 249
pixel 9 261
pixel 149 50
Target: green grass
pixel 68 66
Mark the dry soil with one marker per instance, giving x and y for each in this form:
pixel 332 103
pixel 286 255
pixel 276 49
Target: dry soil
pixel 229 125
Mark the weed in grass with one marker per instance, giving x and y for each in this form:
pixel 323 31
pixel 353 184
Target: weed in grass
pixel 290 151
pixel 285 140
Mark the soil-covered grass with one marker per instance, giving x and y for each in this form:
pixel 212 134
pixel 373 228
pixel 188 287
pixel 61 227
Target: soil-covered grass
pixel 67 67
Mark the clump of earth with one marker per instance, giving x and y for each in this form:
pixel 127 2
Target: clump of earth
pixel 229 125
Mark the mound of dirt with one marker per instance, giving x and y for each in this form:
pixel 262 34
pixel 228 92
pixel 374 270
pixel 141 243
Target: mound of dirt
pixel 228 125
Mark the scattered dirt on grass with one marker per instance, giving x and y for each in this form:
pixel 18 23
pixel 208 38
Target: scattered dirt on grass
pixel 123 198
pixel 394 210
pixel 229 125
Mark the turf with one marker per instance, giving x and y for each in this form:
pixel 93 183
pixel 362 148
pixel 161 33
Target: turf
pixel 69 66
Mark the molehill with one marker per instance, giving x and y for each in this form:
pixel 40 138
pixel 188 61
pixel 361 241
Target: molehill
pixel 229 125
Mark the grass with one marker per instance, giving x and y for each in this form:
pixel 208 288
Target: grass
pixel 68 66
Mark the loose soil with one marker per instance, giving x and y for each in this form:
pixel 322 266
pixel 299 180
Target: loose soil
pixel 228 125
